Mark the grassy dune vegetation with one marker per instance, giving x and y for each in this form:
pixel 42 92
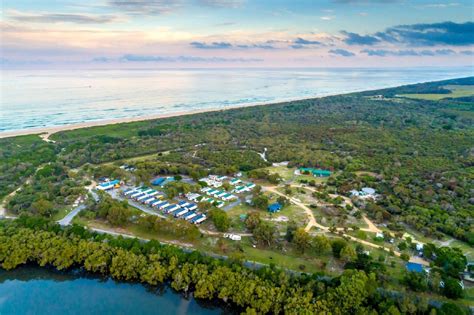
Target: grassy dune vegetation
pixel 457 91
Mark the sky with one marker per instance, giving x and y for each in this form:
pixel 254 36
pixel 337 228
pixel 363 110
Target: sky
pixel 69 34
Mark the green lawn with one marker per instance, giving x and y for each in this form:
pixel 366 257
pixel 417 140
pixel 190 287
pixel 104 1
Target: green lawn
pixel 61 213
pixel 456 91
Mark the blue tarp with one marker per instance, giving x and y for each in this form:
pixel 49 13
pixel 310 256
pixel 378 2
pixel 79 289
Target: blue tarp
pixel 414 267
pixel 274 207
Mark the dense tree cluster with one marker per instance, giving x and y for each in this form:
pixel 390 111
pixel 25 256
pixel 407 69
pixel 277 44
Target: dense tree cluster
pixel 264 291
pixel 220 219
pixel 19 158
pixel 52 187
pixel 115 212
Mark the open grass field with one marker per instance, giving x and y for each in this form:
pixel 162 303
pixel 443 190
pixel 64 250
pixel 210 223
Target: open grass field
pixel 288 174
pixel 456 91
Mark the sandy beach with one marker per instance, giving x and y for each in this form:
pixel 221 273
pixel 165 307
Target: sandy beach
pixel 46 132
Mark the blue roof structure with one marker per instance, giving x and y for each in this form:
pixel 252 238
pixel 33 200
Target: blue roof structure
pixel 274 207
pixel 158 181
pixel 111 183
pixel 414 267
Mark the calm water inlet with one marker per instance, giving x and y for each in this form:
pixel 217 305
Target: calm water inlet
pixel 34 290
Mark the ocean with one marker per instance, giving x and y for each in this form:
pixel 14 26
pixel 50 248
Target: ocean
pixel 49 98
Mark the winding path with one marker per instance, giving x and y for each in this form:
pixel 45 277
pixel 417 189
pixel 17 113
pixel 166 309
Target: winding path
pixel 313 223
pixel 70 216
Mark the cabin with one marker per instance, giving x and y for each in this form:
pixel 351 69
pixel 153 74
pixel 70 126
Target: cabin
pixel 170 208
pixel 188 216
pixel 250 186
pixel 180 212
pixel 240 189
pixel 315 172
pixel 155 203
pixel 221 194
pixel 192 196
pixel 143 197
pixel 274 207
pixel 153 193
pixel 136 194
pixel 109 185
pixel 192 207
pixel 130 191
pixel 147 190
pixel 205 189
pixel 183 204
pixel 199 219
pixel 228 197
pixel 163 205
pixel 234 181
pixel 149 200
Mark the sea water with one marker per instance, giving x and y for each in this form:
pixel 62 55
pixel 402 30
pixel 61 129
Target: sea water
pixel 47 98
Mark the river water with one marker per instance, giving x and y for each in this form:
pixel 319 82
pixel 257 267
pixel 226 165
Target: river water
pixel 34 290
pixel 47 98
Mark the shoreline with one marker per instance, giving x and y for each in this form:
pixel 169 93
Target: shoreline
pixel 46 132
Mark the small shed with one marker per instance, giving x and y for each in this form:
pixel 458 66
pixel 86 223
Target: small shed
pixel 274 207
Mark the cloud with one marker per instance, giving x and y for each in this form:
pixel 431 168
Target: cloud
pixel 260 46
pixel 439 5
pixel 62 18
pixel 342 52
pixel 223 3
pixel 302 41
pixel 214 45
pixel 407 53
pixel 102 59
pixel 356 39
pixel 152 58
pixel 145 7
pixel 445 33
pixel 327 17
pixel 227 45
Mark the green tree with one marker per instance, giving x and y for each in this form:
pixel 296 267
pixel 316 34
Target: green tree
pixel 417 281
pixel 118 215
pixel 220 219
pixel 290 230
pixel 302 239
pixel 337 246
pixel 452 289
pixel 43 207
pixel 321 244
pixel 348 253
pixel 260 201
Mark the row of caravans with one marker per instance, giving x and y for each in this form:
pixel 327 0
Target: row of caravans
pixel 221 194
pixel 151 198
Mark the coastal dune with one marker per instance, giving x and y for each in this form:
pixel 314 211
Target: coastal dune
pixel 45 132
